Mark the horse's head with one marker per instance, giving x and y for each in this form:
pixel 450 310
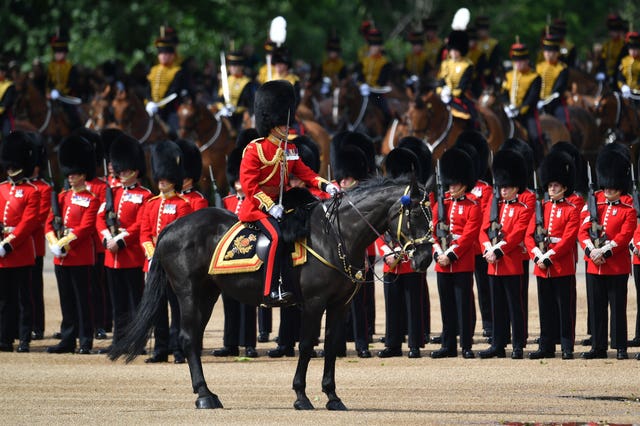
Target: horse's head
pixel 100 113
pixel 187 117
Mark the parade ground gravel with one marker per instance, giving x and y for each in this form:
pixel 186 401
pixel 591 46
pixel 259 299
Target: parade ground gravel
pixel 41 388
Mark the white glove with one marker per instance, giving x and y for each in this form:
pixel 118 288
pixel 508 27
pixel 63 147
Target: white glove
pixel 540 104
pixel 626 91
pixel 332 190
pixel 227 110
pixel 326 86
pixel 3 252
pixel 56 250
pixel 152 108
pixel 276 211
pixel 365 90
pixel 511 111
pixel 601 76
pixel 54 94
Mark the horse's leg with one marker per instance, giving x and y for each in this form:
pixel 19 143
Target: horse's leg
pixel 195 311
pixel 310 326
pixel 335 317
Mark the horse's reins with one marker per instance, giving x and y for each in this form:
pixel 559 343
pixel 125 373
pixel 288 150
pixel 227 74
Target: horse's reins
pixel 47 119
pixel 215 135
pixel 363 108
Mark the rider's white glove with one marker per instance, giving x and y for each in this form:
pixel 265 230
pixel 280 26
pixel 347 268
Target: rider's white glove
pixel 227 110
pixel 445 94
pixel 601 76
pixel 326 86
pixel 331 189
pixel 365 90
pixel 626 91
pixel 511 111
pixel 276 211
pixel 54 94
pixel 152 108
pixel 540 104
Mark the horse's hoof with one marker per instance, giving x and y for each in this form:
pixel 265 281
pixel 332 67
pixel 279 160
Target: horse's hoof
pixel 303 404
pixel 210 402
pixel 336 405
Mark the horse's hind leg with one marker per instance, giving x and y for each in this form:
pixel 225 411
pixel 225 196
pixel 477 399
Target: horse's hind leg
pixel 195 311
pixel 311 317
pixel 335 316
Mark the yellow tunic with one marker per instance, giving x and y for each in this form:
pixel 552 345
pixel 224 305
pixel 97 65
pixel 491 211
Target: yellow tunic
pixel 517 84
pixel 432 49
pixel 451 72
pixel 58 76
pixel 630 69
pixel 291 78
pixel 371 67
pixel 160 78
pixel 236 86
pixel 549 74
pixel 263 73
pixel 415 63
pixel 610 51
pixel 4 85
pixel 331 67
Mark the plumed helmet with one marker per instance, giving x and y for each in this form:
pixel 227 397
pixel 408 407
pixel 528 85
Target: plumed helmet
pixel 167 163
pixel 17 153
pixel 233 165
pixel 459 40
pixel 245 136
pixel 76 155
pixel 192 159
pixel 402 161
pixel 309 152
pixel 613 167
pixel 274 104
pixel 126 153
pixel 456 166
pixel 479 143
pixel 95 139
pixel 422 153
pixel 509 170
pixel 108 136
pixel 559 167
pixel 360 140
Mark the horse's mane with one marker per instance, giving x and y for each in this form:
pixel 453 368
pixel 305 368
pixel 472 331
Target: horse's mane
pixel 378 182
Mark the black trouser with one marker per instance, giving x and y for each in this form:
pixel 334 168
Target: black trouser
pixel 167 337
pixel 484 292
pixel 403 302
pixel 74 287
pixel 507 307
pixel 100 295
pixel 608 290
pixel 10 279
pixel 426 309
pixel 358 321
pixel 636 280
pixel 289 330
pixel 37 287
pixel 589 292
pixel 557 304
pixel 239 323
pixel 25 317
pixel 125 287
pixel 370 297
pixel 525 297
pixel 265 320
pixel 456 306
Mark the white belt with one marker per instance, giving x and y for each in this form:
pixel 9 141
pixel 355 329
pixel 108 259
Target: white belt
pixel 555 240
pixel 8 229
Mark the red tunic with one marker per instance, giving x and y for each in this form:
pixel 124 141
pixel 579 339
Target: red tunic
pixel 464 216
pixel 636 244
pixel 232 203
pixel 528 198
pixel 196 199
pixel 19 211
pixel 128 204
pixel 79 211
pixel 45 205
pixel 482 192
pixel 99 188
pixel 562 220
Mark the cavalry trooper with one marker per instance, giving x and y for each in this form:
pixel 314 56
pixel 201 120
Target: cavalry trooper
pixel 608 263
pixel 554 77
pixel 611 50
pixel 502 234
pixel 72 244
pixel 432 43
pixel 118 225
pixel 7 98
pixel 62 77
pixel 416 63
pixel 19 213
pixel 241 91
pixel 333 67
pixel 166 78
pixel 568 52
pixel 550 240
pixel 488 67
pixel 160 211
pixel 282 64
pixel 192 163
pixel 629 69
pixel 264 170
pixel 267 71
pixel 457 223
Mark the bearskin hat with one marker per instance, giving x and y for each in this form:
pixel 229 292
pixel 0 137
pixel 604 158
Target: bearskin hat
pixel 525 150
pixel 509 170
pixel 192 159
pixel 351 161
pixel 245 136
pixel 613 167
pixel 309 152
pixel 459 40
pixel 233 165
pixel 39 151
pixel 17 153
pixel 126 153
pixel 274 104
pixel 456 166
pixel 422 153
pixel 76 155
pixel 167 163
pixel 360 140
pixel 559 167
pixel 95 139
pixel 108 136
pixel 581 181
pixel 479 143
pixel 402 161
pixel 473 154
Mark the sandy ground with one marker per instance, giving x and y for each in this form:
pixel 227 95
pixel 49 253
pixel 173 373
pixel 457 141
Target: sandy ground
pixel 41 388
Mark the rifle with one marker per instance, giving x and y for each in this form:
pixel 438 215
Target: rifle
pixel 111 215
pixel 215 200
pixel 595 231
pixel 541 235
pixel 442 230
pixel 495 227
pixel 57 224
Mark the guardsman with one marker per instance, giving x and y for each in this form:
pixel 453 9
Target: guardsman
pixel 521 91
pixel 266 164
pixel 374 71
pixel 502 234
pixel 108 136
pixel 609 263
pixel 550 240
pixel 166 78
pixel 73 245
pixel 192 173
pixel 432 43
pixel 629 69
pixel 554 77
pixel 118 225
pixel 611 50
pixel 160 211
pixel 333 67
pixel 19 213
pixel 7 98
pixel 488 67
pixel 62 77
pixel 416 62
pixel 241 90
pixel 454 251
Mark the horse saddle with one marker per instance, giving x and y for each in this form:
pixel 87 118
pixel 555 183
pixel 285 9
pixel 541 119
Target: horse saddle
pixel 243 248
pixel 460 110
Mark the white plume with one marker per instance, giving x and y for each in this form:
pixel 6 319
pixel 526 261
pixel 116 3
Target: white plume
pixel 461 19
pixel 278 30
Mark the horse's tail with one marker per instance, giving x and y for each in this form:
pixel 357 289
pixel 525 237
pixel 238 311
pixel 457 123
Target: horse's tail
pixel 136 335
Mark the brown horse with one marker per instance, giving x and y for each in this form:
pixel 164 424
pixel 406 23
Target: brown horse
pixel 130 116
pixel 617 118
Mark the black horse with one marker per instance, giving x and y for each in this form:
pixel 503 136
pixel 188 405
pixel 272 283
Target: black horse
pixel 340 231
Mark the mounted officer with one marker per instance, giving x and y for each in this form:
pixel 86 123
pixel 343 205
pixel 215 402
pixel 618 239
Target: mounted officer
pixel 554 76
pixel 7 98
pixel 62 78
pixel 611 50
pixel 629 70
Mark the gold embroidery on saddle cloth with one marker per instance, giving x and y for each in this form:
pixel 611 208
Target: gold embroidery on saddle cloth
pixel 242 245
